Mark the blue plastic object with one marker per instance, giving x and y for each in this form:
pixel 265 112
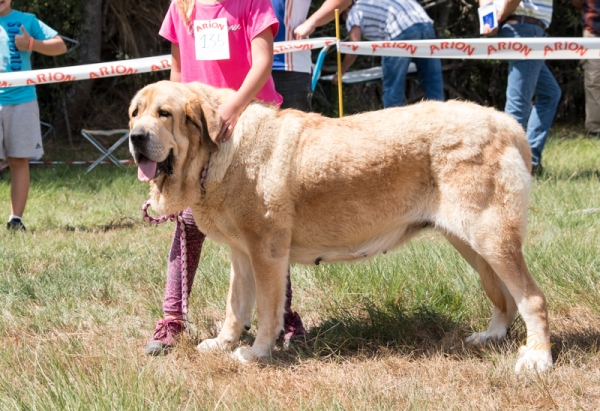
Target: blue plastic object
pixel 318 66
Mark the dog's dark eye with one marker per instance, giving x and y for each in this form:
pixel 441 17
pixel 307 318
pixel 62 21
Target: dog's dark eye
pixel 135 113
pixel 164 113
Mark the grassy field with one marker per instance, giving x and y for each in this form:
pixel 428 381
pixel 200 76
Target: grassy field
pixel 81 291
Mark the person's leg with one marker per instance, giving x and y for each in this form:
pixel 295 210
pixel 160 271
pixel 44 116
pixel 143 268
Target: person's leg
pixel 19 184
pixel 522 78
pixel 394 76
pixel 22 139
pixel 395 69
pixel 547 95
pixel 429 71
pixel 173 303
pixel 592 92
pixel 172 325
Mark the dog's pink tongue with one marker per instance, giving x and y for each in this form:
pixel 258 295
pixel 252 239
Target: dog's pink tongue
pixel 146 170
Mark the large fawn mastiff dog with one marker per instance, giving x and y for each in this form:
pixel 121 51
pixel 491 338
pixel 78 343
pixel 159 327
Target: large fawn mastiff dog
pixel 291 187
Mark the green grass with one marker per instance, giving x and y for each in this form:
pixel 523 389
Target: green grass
pixel 81 291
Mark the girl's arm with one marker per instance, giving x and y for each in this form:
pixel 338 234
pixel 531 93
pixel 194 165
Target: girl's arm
pixel 262 60
pixel 175 63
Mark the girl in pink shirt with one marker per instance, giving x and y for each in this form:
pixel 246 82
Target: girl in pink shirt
pixel 226 43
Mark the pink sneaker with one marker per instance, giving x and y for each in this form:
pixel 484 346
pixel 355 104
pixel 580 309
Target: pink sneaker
pixel 165 335
pixel 293 328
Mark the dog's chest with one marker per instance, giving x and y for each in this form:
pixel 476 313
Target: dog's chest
pixel 215 225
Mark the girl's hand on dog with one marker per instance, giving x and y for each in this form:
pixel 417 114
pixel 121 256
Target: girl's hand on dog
pixel 230 113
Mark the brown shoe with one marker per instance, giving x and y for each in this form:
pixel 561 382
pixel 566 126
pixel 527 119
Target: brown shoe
pixel 165 335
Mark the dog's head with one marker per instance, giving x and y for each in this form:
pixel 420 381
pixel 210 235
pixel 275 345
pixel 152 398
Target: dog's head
pixel 173 128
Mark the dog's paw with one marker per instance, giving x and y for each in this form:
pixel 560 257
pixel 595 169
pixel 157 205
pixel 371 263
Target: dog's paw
pixel 244 355
pixel 212 344
pixel 531 359
pixel 485 337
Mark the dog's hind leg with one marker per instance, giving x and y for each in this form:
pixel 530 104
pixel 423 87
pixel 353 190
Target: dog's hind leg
pixel 483 201
pixel 240 302
pixel 505 308
pixel 512 269
pixel 499 242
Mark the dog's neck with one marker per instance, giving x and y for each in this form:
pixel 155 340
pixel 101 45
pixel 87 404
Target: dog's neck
pixel 193 178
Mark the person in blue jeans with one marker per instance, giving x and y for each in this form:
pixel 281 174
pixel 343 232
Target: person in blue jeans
pixel 395 20
pixel 529 79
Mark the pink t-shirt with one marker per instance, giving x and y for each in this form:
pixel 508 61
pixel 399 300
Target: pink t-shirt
pixel 245 19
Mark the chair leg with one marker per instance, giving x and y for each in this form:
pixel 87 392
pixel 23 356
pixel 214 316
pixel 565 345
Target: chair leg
pixel 105 153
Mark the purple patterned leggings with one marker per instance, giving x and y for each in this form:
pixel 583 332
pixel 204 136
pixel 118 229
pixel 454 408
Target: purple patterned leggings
pixel 172 304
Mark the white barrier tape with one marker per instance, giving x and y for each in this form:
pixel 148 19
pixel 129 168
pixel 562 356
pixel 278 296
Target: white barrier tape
pixel 85 72
pixel 133 66
pixel 298 45
pixel 548 48
pixel 71 163
pixel 568 48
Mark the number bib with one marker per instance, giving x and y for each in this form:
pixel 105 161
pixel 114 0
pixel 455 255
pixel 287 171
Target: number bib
pixel 212 39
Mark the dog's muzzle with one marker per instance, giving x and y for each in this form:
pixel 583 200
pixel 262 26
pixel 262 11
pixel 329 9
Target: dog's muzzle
pixel 146 155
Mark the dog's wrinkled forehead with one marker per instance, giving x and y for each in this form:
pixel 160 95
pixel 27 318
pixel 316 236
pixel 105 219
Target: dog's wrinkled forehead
pixel 157 96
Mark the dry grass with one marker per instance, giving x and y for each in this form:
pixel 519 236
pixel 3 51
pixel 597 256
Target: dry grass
pixel 382 379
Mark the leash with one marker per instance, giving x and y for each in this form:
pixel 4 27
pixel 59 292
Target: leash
pixel 183 243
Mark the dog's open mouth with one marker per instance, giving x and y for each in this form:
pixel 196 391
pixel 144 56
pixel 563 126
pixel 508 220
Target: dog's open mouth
pixel 149 170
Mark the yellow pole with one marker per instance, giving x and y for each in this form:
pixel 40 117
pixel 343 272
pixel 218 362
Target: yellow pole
pixel 339 62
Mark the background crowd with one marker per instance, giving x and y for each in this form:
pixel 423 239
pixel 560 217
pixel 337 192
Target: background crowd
pixel 110 31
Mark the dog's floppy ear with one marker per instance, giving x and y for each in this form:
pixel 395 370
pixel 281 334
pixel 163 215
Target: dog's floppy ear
pixel 205 118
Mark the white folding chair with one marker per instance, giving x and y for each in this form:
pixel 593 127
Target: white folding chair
pixel 106 153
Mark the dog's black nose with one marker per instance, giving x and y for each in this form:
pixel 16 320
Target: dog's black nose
pixel 138 136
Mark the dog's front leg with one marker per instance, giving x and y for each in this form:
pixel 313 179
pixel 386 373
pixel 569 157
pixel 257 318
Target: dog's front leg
pixel 240 302
pixel 270 279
